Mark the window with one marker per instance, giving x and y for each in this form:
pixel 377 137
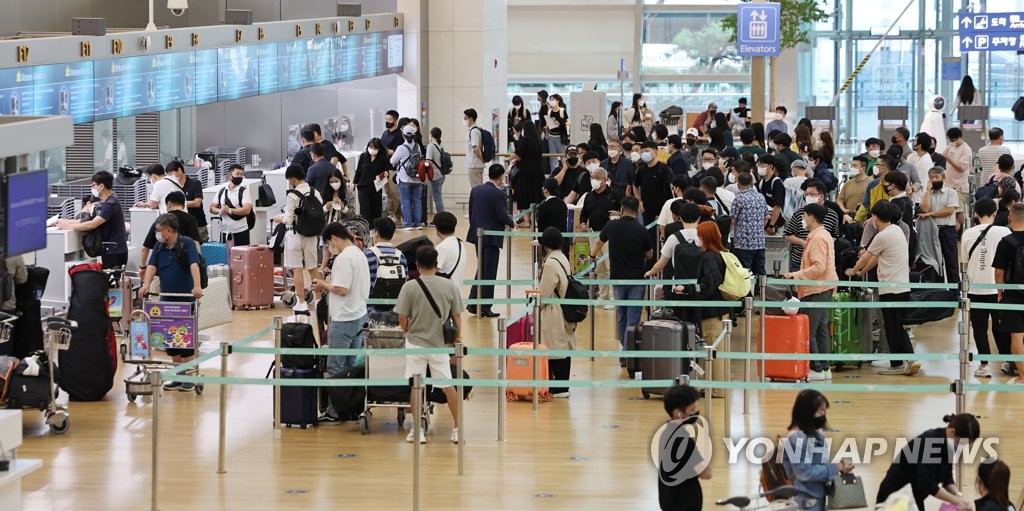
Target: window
pixel 688 43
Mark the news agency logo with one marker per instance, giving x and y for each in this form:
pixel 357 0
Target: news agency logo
pixel 681 449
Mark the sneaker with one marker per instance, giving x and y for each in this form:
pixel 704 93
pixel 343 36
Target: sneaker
pixel 828 374
pixel 815 376
pixel 900 369
pixel 912 368
pixel 880 364
pixel 423 438
pixel 187 387
pixel 455 436
pixel 328 420
pixel 561 395
pixel 406 228
pixel 608 307
pixel 983 371
pixel 1013 381
pixel 419 227
pixel 172 385
pixel 1009 369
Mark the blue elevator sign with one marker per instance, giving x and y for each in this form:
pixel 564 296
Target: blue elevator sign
pixel 757 29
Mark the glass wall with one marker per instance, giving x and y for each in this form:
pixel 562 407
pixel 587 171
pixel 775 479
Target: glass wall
pixel 688 43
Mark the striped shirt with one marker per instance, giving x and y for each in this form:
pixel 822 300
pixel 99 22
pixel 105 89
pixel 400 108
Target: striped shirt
pixel 385 249
pixel 988 157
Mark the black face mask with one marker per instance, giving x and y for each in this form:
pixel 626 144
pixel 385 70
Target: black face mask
pixel 820 422
pixel 692 419
pixel 236 181
pixel 572 161
pixel 937 186
pixel 893 139
pixel 389 125
pixel 691 141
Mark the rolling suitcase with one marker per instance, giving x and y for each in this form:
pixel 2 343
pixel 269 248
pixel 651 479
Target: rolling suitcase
pixel 298 404
pixel 215 253
pixel 661 335
pixel 520 331
pixel 520 367
pixel 252 276
pixel 846 327
pixel 786 334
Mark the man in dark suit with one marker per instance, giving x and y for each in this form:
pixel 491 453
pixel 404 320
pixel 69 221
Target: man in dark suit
pixel 488 210
pixel 552 211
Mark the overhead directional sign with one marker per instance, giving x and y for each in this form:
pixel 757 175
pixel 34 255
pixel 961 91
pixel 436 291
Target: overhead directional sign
pixel 757 29
pixel 993 31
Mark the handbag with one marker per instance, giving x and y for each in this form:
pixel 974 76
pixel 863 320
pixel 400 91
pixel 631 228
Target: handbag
pixel 846 491
pixel 449 328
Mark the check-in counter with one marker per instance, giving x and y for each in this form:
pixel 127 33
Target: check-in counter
pixel 142 220
pixel 258 235
pixel 63 250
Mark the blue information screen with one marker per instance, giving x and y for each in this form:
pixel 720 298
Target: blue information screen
pixel 26 212
pixel 64 89
pixel 18 90
pixel 238 68
pixel 205 81
pixel 294 65
pixel 266 54
pixel 373 55
pixel 319 55
pixel 171 77
pixel 117 84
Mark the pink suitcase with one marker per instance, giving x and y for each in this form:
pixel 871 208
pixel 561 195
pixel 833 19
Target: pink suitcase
pixel 252 276
pixel 520 331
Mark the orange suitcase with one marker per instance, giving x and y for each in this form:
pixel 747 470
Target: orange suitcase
pixel 520 367
pixel 786 334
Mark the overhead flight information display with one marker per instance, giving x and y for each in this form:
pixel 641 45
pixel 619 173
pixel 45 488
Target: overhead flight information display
pixel 205 81
pixel 17 85
pixel 266 54
pixel 239 72
pixel 64 89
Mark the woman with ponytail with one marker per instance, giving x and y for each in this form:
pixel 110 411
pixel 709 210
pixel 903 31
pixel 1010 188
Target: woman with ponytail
pixel 993 486
pixel 926 463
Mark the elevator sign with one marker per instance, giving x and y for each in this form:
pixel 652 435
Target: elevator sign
pixel 993 31
pixel 757 29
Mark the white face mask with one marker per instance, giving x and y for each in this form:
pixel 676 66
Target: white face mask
pixel 332 250
pixel 372 151
pixel 465 122
pixel 553 104
pixel 613 153
pixel 336 185
pixel 634 157
pixel 730 178
pixel 854 171
pixel 595 184
pixel 593 166
pixel 640 103
pixel 762 171
pixel 159 237
pixel 803 224
pixel 95 193
pixel 810 200
pixel 778 116
pixel 706 165
pixel 874 153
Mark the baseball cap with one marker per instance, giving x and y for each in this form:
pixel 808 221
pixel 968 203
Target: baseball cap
pixel 692 131
pixel 409 129
pixel 729 152
pixel 712 105
pixel 802 163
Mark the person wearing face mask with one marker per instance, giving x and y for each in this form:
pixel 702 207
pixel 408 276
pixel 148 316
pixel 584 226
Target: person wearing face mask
pixel 959 165
pixel 686 495
pixel 517 114
pixel 851 194
pixel 373 164
pixel 940 205
pixel 557 128
pixel 581 183
pixel 784 155
pixel 805 454
pixel 392 137
pixel 613 128
pixel 621 170
pixel 600 203
pixel 926 464
pixel 873 149
pixel 772 188
pixel 652 183
pixel 528 158
pixel 708 160
pixel 875 191
pixel 410 188
pixel 186 227
pixel 552 211
pixel 337 199
pixel 638 115
pixel 900 138
pixel 993 486
pixel 677 161
pixel 558 334
pixel 542 113
pixel 732 173
pixel 108 217
pixel 921 161
pixel 778 123
pixel 703 120
pixel 797 231
pixel 474 148
pixel 487 211
pixel 233 204
pixel 817 261
pixel 895 185
pixel 320 171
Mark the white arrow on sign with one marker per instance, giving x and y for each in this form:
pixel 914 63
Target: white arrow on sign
pixel 967 42
pixel 966 22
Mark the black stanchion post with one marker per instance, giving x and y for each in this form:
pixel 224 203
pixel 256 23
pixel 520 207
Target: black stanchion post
pixel 460 351
pixel 965 357
pixel 590 290
pixel 277 372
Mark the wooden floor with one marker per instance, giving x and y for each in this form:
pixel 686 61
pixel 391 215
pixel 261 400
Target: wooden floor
pixel 588 452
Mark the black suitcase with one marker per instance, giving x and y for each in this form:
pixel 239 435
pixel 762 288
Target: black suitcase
pixel 661 335
pixel 922 315
pixel 298 404
pixel 28 391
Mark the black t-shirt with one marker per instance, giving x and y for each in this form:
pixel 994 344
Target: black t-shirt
pixel 774 192
pixel 655 187
pixel 391 139
pixel 628 248
pixel 1003 260
pixel 332 152
pixel 302 158
pixel 570 181
pixel 186 227
pixel 597 206
pixel 906 208
pixel 194 190
pixel 839 211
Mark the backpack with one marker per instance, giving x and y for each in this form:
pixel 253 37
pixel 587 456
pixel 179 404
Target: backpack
pixel 309 216
pixel 298 335
pixel 250 219
pixel 574 291
pixel 988 191
pixel 92 241
pixel 794 201
pixel 736 283
pixel 1015 273
pixel 445 164
pixel 829 179
pixel 773 472
pixel 391 276
pixel 487 149
pixel 1018 109
pixel 411 165
pixel 685 251
pixel 182 255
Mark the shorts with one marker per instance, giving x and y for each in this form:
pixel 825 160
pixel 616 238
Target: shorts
pixel 300 251
pixel 964 201
pixel 438 363
pixel 1009 321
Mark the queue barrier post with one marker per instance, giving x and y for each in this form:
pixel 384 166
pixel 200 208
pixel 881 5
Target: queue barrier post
pixel 727 377
pixel 278 323
pixel 536 350
pixel 417 430
pixel 763 281
pixel 225 350
pixel 460 351
pixel 479 268
pixel 748 308
pixel 502 342
pixel 154 387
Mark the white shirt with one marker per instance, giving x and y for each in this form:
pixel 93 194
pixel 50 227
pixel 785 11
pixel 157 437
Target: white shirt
pixel 350 271
pixel 979 266
pixel 665 217
pixel 473 139
pixel 922 164
pixel 399 159
pixel 448 260
pixel 727 197
pixel 669 248
pixel 794 183
pixel 161 189
pixel 292 202
pixel 225 196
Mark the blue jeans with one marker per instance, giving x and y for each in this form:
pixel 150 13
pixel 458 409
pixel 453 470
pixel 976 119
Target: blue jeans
pixel 627 316
pixel 436 189
pixel 752 260
pixel 411 195
pixel 343 335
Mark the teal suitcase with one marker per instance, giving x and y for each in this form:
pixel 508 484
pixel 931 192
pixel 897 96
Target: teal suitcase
pixel 846 328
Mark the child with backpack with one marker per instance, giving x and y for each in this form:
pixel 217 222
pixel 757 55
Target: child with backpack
pixel 679 487
pixel 305 220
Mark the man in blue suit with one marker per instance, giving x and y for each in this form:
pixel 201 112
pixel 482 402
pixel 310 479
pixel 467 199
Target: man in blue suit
pixel 488 209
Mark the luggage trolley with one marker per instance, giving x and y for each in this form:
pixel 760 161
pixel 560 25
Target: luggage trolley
pixel 57 338
pixel 388 367
pixel 158 325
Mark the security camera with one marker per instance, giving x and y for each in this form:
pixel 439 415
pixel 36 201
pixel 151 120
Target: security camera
pixel 177 7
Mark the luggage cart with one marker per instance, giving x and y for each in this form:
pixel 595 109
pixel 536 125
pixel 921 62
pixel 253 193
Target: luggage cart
pixel 388 367
pixel 157 325
pixel 57 338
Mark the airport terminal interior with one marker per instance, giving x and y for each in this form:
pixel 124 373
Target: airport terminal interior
pixel 859 133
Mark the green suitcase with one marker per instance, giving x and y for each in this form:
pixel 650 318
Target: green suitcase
pixel 846 328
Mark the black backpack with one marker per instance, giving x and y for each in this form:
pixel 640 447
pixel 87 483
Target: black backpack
pixel 309 216
pixel 1018 109
pixel 297 335
pixel 92 241
pixel 250 219
pixel 445 164
pixel 1015 273
pixel 6 283
pixel 182 255
pixel 685 258
pixel 487 149
pixel 574 291
pixel 411 164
